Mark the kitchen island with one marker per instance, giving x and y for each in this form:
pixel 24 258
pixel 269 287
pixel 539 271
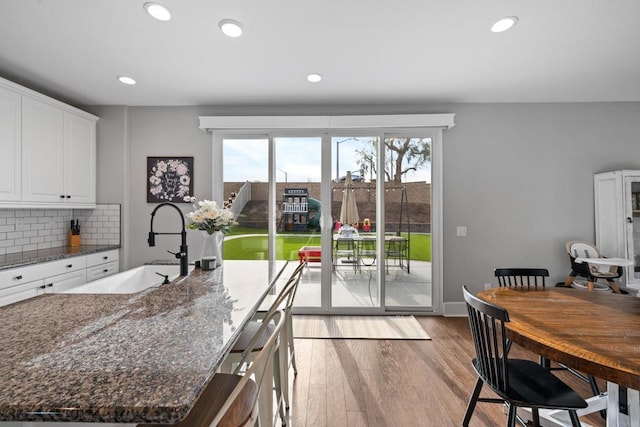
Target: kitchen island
pixel 125 358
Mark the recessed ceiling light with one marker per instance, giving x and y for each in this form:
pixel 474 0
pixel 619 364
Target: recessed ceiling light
pixel 230 27
pixel 126 80
pixel 504 24
pixel 158 11
pixel 314 77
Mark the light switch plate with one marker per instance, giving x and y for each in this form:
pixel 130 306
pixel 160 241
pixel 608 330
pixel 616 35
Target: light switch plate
pixel 461 231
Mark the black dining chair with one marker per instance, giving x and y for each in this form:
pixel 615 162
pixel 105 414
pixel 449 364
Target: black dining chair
pixel 532 278
pixel 522 277
pixel 517 382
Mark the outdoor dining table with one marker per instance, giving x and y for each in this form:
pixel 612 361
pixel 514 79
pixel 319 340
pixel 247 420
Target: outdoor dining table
pixel 593 332
pixel 365 247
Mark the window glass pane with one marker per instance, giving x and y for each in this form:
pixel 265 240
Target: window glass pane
pixel 408 222
pixel 299 208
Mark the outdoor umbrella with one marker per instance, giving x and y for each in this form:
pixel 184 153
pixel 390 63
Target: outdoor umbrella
pixel 349 209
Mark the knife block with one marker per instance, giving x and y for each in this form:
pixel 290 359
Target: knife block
pixel 74 239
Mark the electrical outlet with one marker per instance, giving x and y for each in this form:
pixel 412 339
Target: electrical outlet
pixel 51 224
pixel 461 231
pixel 487 285
pixel 19 224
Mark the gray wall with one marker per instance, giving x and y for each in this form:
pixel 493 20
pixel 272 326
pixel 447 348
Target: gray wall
pixel 519 176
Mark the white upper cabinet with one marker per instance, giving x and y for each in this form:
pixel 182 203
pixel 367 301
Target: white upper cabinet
pixel 42 152
pixel 79 159
pixel 55 154
pixel 10 137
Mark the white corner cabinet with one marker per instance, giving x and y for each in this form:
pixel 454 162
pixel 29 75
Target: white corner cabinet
pixel 53 147
pixel 617 218
pixel 17 284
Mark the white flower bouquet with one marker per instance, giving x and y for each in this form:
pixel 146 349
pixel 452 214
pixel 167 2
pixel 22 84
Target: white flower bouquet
pixel 208 217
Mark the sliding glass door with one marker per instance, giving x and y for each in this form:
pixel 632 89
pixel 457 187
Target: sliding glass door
pixel 358 205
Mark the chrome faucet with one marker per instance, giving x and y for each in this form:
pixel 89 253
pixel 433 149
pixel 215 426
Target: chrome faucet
pixel 183 254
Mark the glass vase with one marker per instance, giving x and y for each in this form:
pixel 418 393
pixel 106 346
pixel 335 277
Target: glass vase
pixel 212 246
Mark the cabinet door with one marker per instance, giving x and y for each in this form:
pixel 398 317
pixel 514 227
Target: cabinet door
pixel 42 152
pixel 80 159
pixel 66 281
pixel 10 139
pixel 21 292
pixel 632 221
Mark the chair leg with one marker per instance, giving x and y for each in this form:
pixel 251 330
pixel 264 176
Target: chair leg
pixel 596 391
pixel 278 380
pixel 511 418
pixel 544 362
pixel 472 402
pixel 569 280
pixel 613 286
pixel 283 368
pixel 575 421
pixel 292 350
pixel 536 417
pixel 590 284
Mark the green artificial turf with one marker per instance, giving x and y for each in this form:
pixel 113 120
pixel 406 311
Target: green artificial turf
pixel 251 243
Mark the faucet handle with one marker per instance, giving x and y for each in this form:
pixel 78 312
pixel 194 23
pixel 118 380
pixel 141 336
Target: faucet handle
pixel 177 254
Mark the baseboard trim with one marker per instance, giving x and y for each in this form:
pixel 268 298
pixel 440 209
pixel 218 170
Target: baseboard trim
pixel 454 309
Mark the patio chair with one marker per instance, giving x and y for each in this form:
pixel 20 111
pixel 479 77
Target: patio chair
pixel 517 382
pixel 345 251
pixel 396 249
pixel 367 251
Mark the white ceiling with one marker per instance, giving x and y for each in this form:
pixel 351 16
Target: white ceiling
pixel 369 51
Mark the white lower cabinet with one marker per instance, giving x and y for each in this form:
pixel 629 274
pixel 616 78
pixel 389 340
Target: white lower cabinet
pixel 11 294
pixel 20 283
pixel 102 264
pixel 64 282
pixel 102 270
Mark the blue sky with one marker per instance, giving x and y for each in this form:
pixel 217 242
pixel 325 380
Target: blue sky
pixel 299 158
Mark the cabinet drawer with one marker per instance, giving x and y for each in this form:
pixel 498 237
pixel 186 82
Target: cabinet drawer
pixel 9 295
pixel 103 270
pixel 102 258
pixel 62 266
pixel 26 274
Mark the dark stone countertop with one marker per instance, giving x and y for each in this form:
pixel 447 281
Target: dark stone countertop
pixel 21 259
pixel 124 358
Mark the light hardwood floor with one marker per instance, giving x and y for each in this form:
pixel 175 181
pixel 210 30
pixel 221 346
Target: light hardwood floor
pixel 397 383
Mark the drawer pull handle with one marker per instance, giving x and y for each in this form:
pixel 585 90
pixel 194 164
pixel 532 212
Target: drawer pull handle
pixel 42 287
pixel 18 277
pixel 106 270
pixel 50 285
pixel 62 196
pixel 70 265
pixel 105 257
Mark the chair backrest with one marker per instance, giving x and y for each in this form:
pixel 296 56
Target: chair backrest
pixel 287 294
pixel 396 246
pixel 521 277
pixel 578 248
pixel 348 231
pixel 272 324
pixel 490 341
pixel 345 246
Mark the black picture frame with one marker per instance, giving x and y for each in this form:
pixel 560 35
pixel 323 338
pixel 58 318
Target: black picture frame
pixel 169 179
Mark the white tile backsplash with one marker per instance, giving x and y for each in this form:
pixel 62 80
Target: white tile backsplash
pixel 31 229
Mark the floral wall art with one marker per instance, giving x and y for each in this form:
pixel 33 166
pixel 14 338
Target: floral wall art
pixel 169 179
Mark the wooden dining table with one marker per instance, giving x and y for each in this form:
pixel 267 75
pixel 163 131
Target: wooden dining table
pixel 595 333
